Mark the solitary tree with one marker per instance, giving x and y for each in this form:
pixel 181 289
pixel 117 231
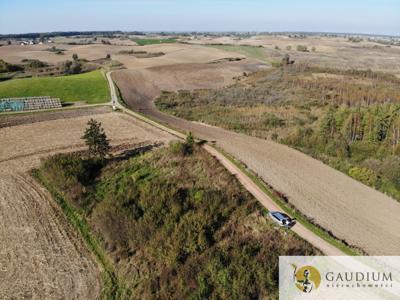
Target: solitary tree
pixel 190 139
pixel 187 147
pixel 96 139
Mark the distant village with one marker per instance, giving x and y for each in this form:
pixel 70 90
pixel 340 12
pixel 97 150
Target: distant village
pixel 35 42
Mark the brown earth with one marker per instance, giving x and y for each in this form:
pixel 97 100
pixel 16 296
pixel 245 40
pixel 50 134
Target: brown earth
pixel 354 212
pixel 7 120
pixel 41 255
pixel 174 53
pixel 147 83
pixel 331 52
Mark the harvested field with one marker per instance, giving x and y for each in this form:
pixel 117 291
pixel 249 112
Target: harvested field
pixel 41 255
pixel 354 212
pixel 7 120
pixel 329 52
pixel 174 53
pixel 153 80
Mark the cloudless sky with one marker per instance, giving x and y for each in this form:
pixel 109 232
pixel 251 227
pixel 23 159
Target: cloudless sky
pixel 355 16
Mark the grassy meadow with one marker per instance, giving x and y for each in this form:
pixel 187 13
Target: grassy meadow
pixel 91 87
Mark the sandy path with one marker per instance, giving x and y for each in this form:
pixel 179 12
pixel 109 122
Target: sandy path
pixel 354 212
pixel 41 255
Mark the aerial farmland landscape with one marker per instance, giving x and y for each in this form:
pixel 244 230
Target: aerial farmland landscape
pixel 162 151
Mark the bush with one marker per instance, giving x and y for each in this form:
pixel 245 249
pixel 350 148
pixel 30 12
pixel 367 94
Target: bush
pixel 390 169
pixel 364 175
pixel 302 48
pixel 272 121
pixel 6 67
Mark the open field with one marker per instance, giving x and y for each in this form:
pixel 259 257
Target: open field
pixel 248 51
pixel 352 211
pixel 149 82
pixel 89 87
pixel 41 255
pixel 329 52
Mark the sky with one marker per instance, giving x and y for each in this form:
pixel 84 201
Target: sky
pixel 352 16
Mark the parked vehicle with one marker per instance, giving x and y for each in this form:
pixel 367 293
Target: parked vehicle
pixel 282 219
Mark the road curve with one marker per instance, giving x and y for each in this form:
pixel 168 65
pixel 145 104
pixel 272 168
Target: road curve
pixel 248 184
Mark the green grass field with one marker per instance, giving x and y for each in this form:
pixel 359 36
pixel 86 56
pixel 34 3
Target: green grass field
pixel 91 87
pixel 249 51
pixel 143 42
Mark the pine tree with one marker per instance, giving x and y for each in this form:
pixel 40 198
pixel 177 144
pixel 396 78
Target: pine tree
pixel 96 139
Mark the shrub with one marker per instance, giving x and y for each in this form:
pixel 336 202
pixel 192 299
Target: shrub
pixel 6 67
pixel 390 168
pixel 364 175
pixel 302 48
pixel 272 121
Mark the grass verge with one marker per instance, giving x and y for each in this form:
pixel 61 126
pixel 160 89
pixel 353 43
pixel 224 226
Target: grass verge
pixel 111 287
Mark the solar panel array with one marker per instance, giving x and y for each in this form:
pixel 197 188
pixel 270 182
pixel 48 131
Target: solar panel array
pixel 29 103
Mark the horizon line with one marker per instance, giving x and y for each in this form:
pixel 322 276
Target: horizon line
pixel 206 31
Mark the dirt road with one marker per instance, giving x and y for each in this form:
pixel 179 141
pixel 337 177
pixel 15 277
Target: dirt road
pixel 354 212
pixel 41 255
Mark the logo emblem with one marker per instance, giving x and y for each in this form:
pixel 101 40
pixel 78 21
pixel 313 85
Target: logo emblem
pixel 306 278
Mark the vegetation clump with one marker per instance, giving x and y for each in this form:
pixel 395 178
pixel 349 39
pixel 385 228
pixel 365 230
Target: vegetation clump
pixel 174 226
pixel 7 67
pixel 302 48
